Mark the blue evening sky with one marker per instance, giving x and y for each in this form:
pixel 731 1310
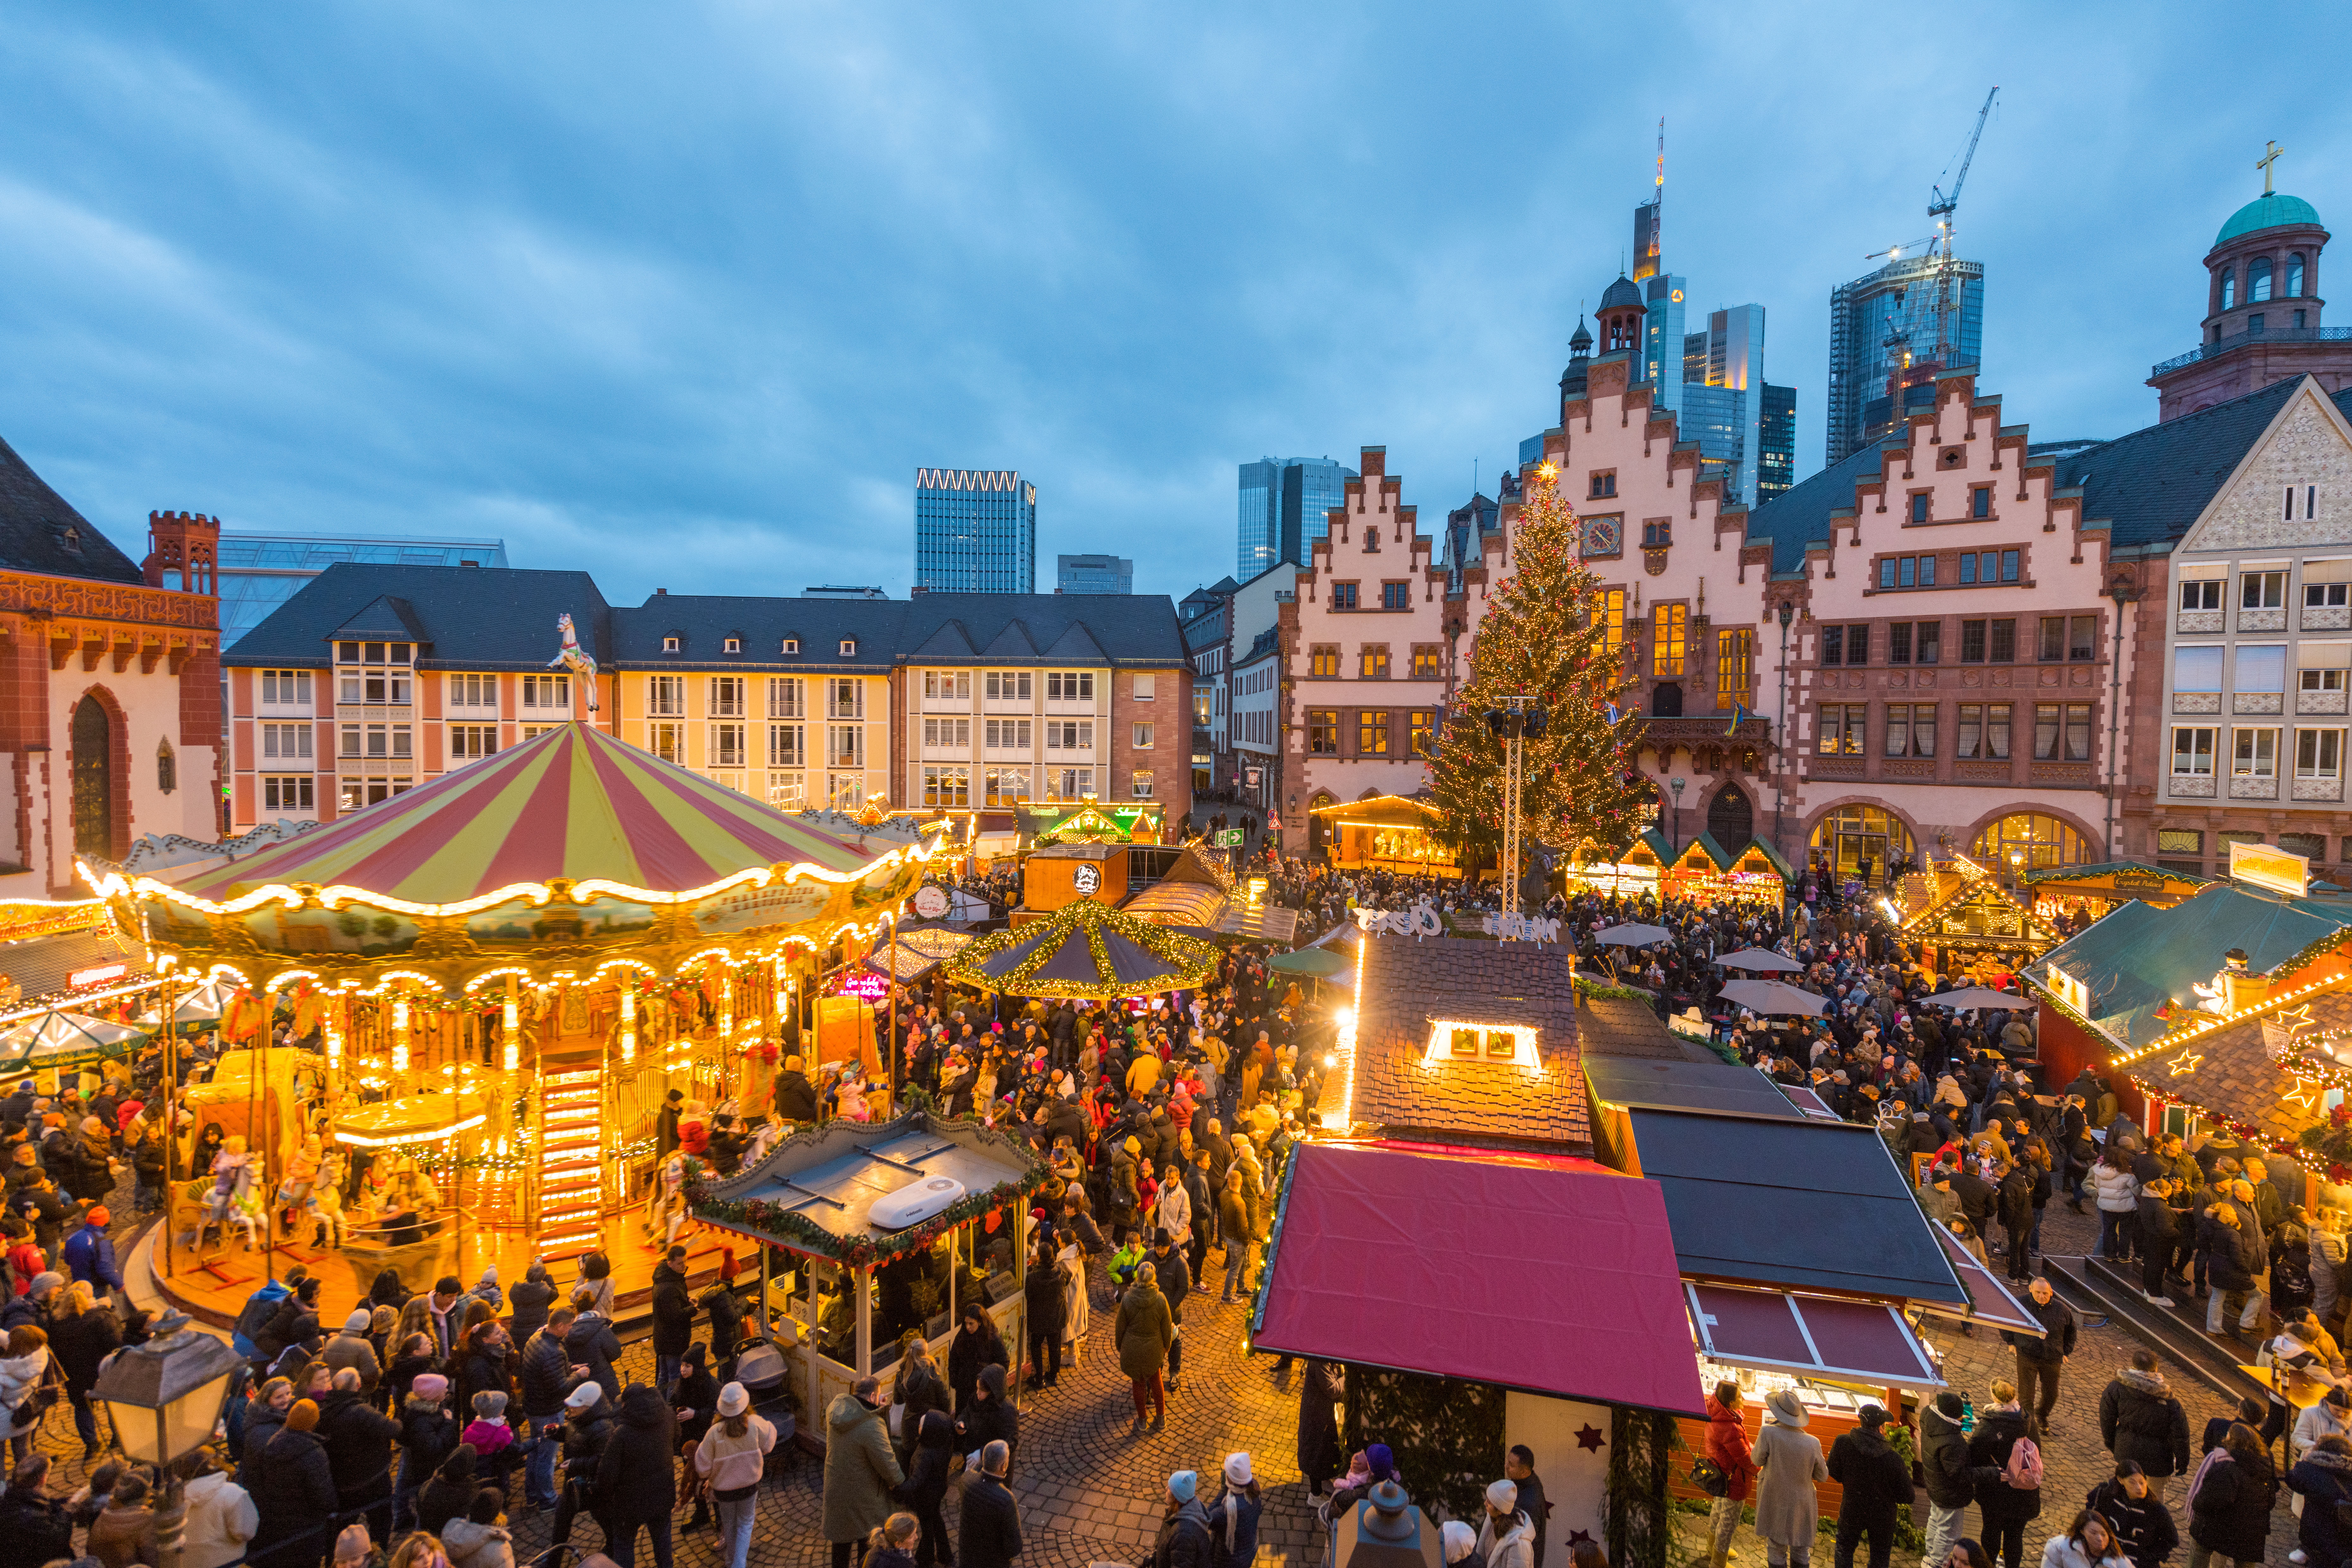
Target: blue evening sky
pixel 683 293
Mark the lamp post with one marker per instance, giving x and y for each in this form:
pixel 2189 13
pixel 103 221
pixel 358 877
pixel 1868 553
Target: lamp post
pixel 1781 734
pixel 1676 841
pixel 165 1398
pixel 2124 590
pixel 1520 717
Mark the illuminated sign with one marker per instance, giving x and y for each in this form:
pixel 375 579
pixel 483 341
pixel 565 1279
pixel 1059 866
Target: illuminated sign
pixel 865 984
pixel 99 976
pixel 2266 865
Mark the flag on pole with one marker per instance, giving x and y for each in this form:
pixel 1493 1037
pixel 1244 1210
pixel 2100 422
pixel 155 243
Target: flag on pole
pixel 1738 712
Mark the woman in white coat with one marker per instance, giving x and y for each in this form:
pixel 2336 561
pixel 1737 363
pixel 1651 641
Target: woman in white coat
pixel 22 1367
pixel 1789 1466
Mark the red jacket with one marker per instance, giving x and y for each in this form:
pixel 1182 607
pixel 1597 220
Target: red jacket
pixel 1727 1445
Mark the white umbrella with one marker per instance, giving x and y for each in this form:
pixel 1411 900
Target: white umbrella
pixel 1772 997
pixel 207 1003
pixel 1630 935
pixel 1975 996
pixel 1758 959
pixel 57 1034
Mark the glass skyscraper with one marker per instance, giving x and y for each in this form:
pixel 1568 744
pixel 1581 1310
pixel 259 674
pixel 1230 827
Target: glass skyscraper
pixel 975 531
pixel 1723 379
pixel 1881 330
pixel 258 572
pixel 1093 574
pixel 1776 435
pixel 1285 507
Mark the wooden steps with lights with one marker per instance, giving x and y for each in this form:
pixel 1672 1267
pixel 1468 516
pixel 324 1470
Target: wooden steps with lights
pixel 571 1151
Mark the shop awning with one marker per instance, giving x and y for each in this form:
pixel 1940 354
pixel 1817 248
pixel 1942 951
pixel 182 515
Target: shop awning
pixel 1989 1301
pixel 1812 1336
pixel 1595 1312
pixel 1809 1103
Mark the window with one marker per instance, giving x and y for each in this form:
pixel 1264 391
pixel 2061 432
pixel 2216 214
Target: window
pixel 949 787
pixel 2203 595
pixel 1919 504
pixel 1908 572
pixel 667 742
pixel 1973 637
pixel 1899 642
pixel 2261 589
pixel 1604 485
pixel 1669 636
pixel 844 746
pixel 1428 661
pixel 1396 596
pixel 1372 732
pixel 1007 685
pixel 1343 596
pixel 948 733
pixel 849 647
pixel 1070 734
pixel 2179 841
pixel 469 742
pixel 2062 732
pixel 2254 753
pixel 1323 661
pixel 349 741
pixel 1735 665
pixel 1658 533
pixel 665 695
pixel 1842 728
pixel 1139 784
pixel 290 687
pixel 1910 729
pixel 1323 731
pixel 2317 595
pixel 1981 501
pixel 2319 754
pixel 2229 288
pixel 732 645
pixel 726 696
pixel 1069 783
pixel 2192 751
pixel 1141 737
pixel 787 791
pixel 291 792
pixel 2294 275
pixel 1611 603
pixel 2258 280
pixel 2319 680
pixel 2260 668
pixel 728 744
pixel 547 692
pixel 845 697
pixel 1372 662
pixel 2081 638
pixel 791 645
pixel 1069 685
pixel 1968 569
pixel 1983 733
pixel 1144 686
pixel 670 644
pixel 787 697
pixel 787 746
pixel 1007 735
pixel 1921 644
pixel 1423 737
pixel 1832 645
pixel 2003 650
pixel 2053 639
pixel 285 742
pixel 1005 786
pixel 947 686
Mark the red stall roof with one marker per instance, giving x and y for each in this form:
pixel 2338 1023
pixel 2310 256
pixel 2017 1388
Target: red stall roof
pixel 1812 1336
pixel 1542 1277
pixel 1989 1299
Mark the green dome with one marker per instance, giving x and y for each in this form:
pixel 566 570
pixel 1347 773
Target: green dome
pixel 2273 211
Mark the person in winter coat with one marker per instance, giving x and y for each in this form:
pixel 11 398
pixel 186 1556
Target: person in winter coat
pixel 1727 1445
pixel 1875 1481
pixel 35 1529
pixel 351 1347
pixel 989 1417
pixel 2230 1499
pixel 2134 1511
pixel 2231 1262
pixel 544 1381
pixel 726 1309
pixel 1789 1466
pixel 1183 1540
pixel 358 1438
pixel 124 1532
pixel 2140 1419
pixel 2323 1479
pixel 926 1489
pixel 428 1436
pixel 919 1387
pixel 1143 1331
pixel 2332 1417
pixel 860 1470
pixel 673 1319
pixel 449 1493
pixel 1318 1426
pixel 475 1539
pixel 221 1518
pixel 294 1490
pixel 2117 1193
pixel 83 1335
pixel 1506 1538
pixel 265 1413
pixel 977 1343
pixel 1234 1515
pixel 2004 1509
pixel 2041 1358
pixel 592 1342
pixel 587 1428
pixel 796 1096
pixel 2088 1543
pixel 992 1519
pixel 1045 1290
pixel 636 1481
pixel 531 1300
pixel 730 1458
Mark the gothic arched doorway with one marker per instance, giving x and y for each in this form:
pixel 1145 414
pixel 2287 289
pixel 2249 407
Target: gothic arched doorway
pixel 93 779
pixel 1731 817
pixel 1666 700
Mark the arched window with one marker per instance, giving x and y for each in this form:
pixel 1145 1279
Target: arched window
pixel 1858 841
pixel 2229 288
pixel 93 779
pixel 2258 280
pixel 2294 275
pixel 2027 841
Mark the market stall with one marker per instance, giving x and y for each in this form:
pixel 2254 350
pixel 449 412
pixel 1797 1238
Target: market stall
pixel 494 982
pixel 1699 871
pixel 1088 821
pixel 1635 871
pixel 2085 892
pixel 1758 875
pixel 1084 951
pixel 1389 833
pixel 1967 925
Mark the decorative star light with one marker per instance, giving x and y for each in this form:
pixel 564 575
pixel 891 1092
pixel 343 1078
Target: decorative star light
pixel 2304 1096
pixel 1588 1436
pixel 2185 1062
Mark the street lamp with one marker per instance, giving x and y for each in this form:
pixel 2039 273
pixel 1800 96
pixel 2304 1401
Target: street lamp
pixel 2125 592
pixel 1781 734
pixel 165 1398
pixel 1675 842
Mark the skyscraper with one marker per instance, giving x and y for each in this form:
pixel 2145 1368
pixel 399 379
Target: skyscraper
pixel 1776 434
pixel 1883 345
pixel 1093 574
pixel 1284 506
pixel 1723 403
pixel 975 531
pixel 1662 297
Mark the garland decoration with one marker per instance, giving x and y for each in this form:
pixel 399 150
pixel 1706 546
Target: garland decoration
pixel 1190 962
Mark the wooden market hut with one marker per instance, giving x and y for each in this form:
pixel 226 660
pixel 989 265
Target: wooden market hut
pixel 1387 832
pixel 2102 889
pixel 1760 874
pixel 1637 871
pixel 1699 870
pixel 1964 920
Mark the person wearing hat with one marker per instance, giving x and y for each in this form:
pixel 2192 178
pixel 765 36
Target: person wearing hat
pixel 90 1254
pixel 352 1347
pixel 294 1488
pixel 730 1458
pixel 1506 1538
pixel 587 1428
pixel 1233 1514
pixel 1876 1482
pixel 428 1433
pixel 2331 1417
pixel 1789 1466
pixel 1184 1539
pixel 1459 1545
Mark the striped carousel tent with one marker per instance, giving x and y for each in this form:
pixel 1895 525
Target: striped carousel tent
pixel 574 802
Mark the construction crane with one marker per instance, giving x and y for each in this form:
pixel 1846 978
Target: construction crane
pixel 1941 207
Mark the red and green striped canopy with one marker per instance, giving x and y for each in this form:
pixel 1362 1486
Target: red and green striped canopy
pixel 574 802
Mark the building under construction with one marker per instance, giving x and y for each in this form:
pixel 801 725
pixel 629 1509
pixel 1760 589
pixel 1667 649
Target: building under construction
pixel 1883 344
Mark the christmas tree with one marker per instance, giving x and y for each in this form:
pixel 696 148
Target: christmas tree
pixel 1546 636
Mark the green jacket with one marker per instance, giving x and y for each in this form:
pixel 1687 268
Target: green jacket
pixel 1144 1330
pixel 859 1470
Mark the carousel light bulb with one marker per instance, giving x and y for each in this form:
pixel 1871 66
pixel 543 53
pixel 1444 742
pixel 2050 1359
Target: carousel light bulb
pixel 628 1024
pixel 400 1036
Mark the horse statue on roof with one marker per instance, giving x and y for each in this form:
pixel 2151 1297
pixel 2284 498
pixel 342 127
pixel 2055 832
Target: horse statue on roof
pixel 572 656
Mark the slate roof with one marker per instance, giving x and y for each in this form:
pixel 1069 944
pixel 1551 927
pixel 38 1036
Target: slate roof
pixel 703 621
pixel 1800 515
pixel 2151 484
pixel 2229 1070
pixel 2139 957
pixel 470 618
pixel 39 532
pixel 1616 1027
pixel 1408 983
pixel 1138 629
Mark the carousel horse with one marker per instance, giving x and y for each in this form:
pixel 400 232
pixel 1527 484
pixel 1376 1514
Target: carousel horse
pixel 235 1199
pixel 301 1180
pixel 667 1215
pixel 326 1211
pixel 572 656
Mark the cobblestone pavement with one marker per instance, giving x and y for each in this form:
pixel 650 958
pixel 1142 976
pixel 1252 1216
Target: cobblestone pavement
pixel 1090 1485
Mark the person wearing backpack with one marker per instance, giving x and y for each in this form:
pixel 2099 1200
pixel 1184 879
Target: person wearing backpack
pixel 2323 1479
pixel 2230 1500
pixel 1875 1481
pixel 2011 1494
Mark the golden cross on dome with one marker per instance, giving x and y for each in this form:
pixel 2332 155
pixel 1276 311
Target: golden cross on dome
pixel 2264 162
pixel 2185 1062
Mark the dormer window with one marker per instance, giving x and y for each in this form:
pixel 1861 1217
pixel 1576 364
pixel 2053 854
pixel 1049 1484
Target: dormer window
pixel 1459 1039
pixel 849 647
pixel 734 645
pixel 791 644
pixel 670 644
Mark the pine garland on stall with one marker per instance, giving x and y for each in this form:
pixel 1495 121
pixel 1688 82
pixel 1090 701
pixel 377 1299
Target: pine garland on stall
pixel 1547 634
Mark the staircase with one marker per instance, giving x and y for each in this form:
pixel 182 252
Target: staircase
pixel 571 1150
pixel 2177 1333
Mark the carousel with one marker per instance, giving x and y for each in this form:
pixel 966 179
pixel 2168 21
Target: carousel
pixel 452 1022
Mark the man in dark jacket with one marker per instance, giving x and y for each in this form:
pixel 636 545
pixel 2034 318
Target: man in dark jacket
pixel 2161 1228
pixel 1047 1308
pixel 548 1378
pixel 991 1519
pixel 294 1490
pixel 2140 1419
pixel 1520 1469
pixel 796 1096
pixel 673 1319
pixel 592 1342
pixel 358 1438
pixel 1174 1281
pixel 587 1428
pixel 636 1480
pixel 2039 1360
pixel 1875 1481
pixel 1951 1481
